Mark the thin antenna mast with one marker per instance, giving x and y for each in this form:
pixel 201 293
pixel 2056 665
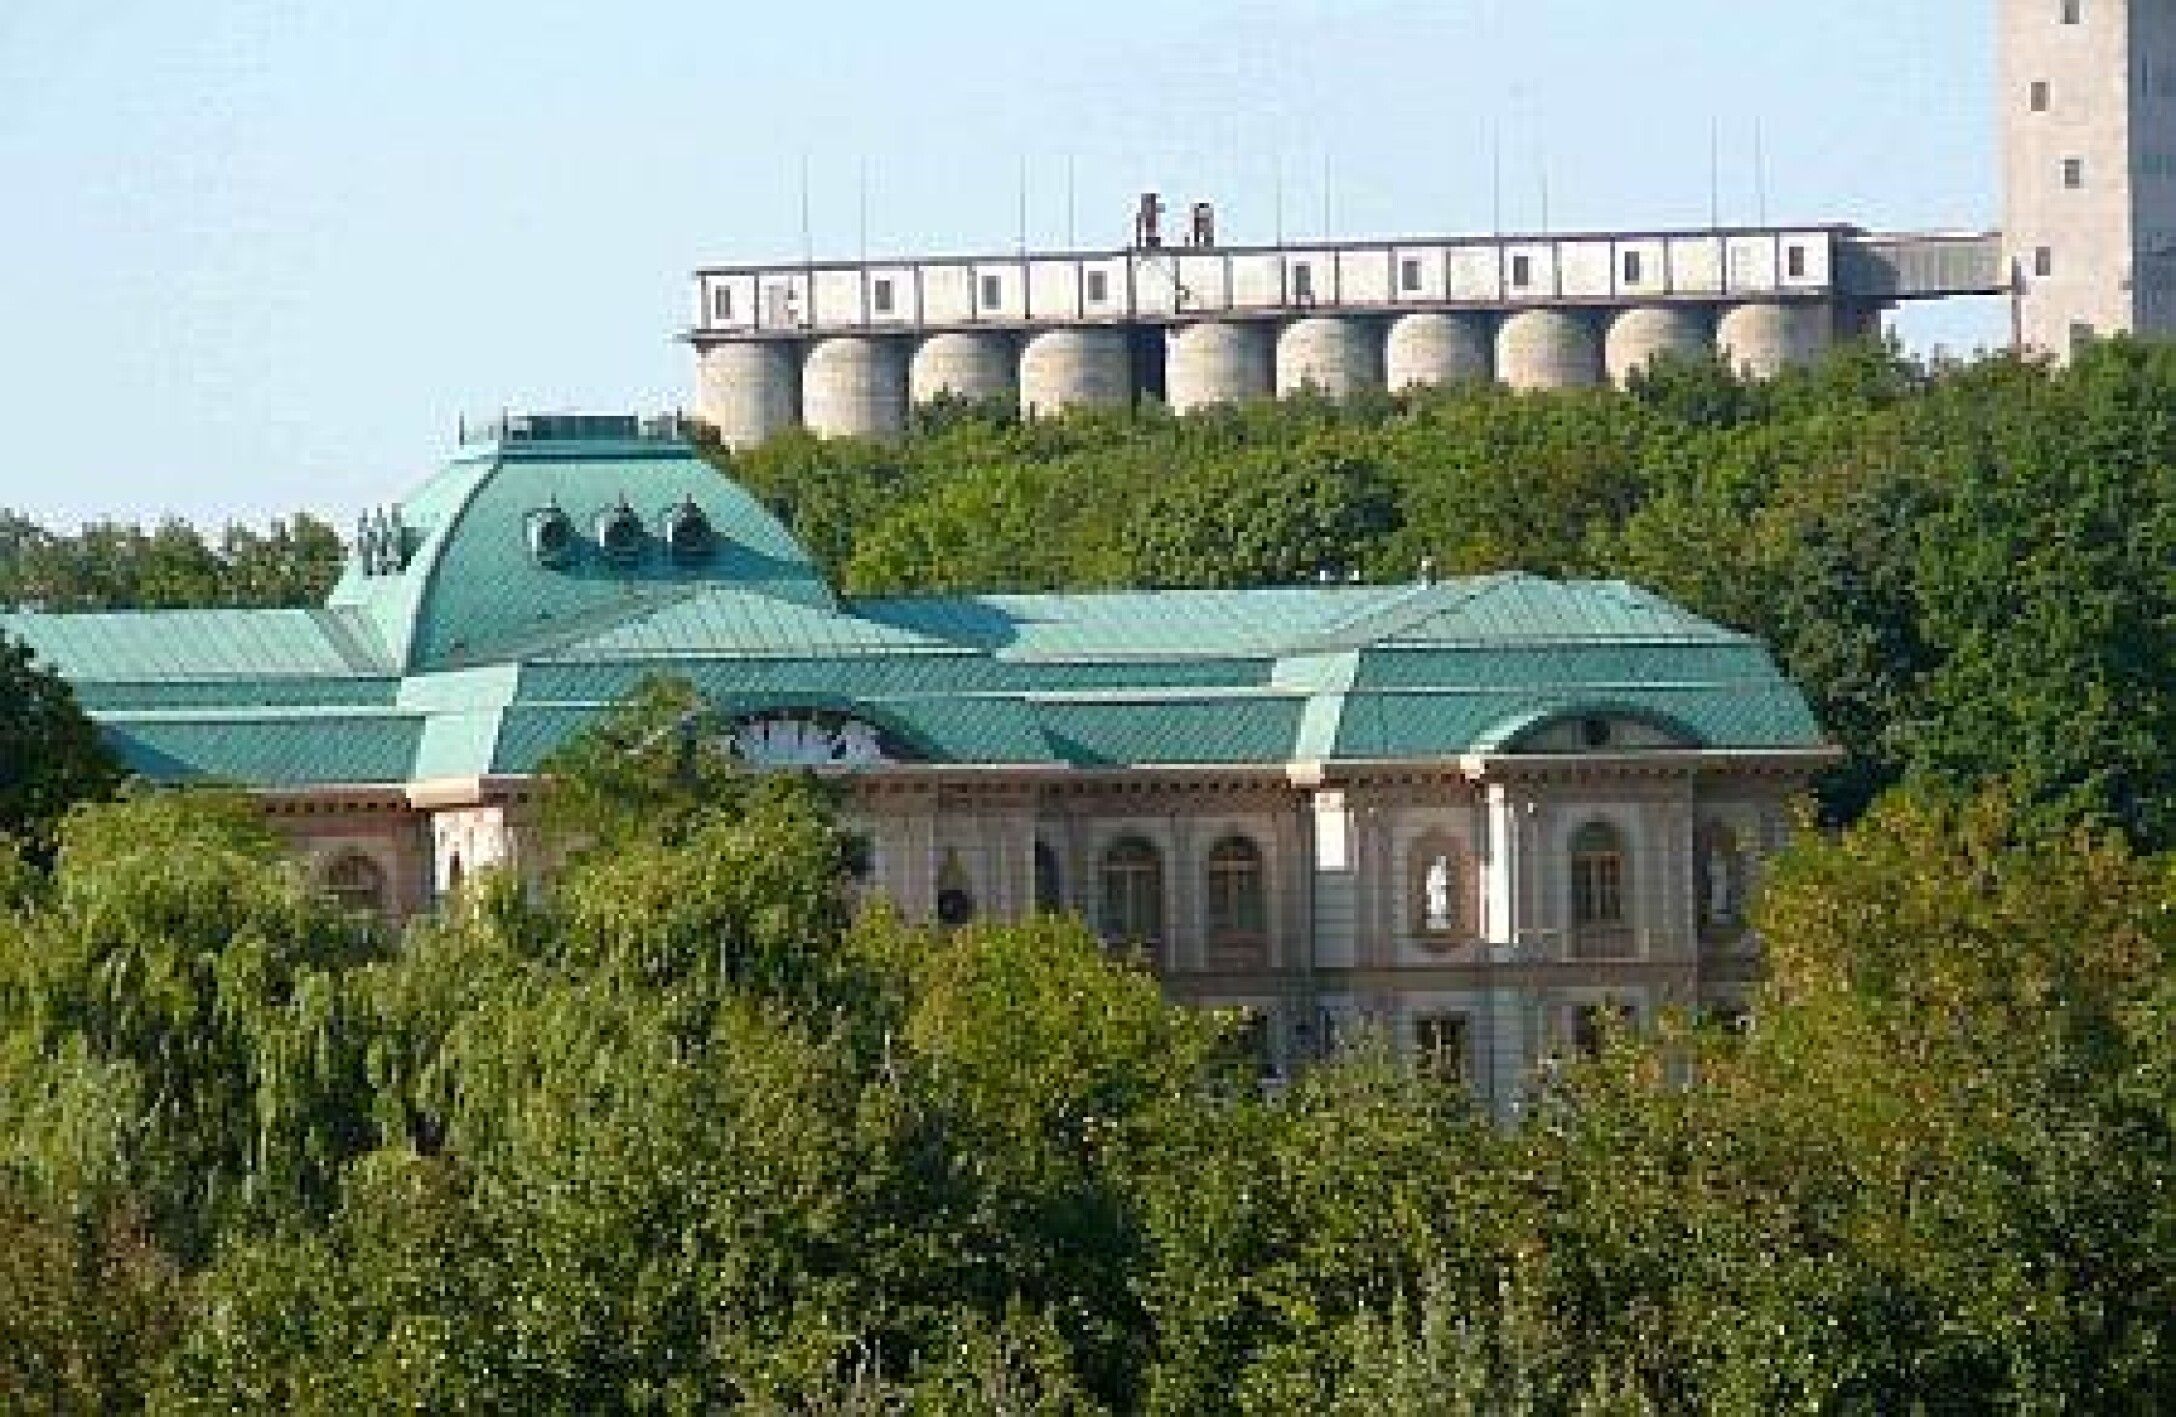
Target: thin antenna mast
pixel 862 206
pixel 1329 222
pixel 1072 230
pixel 1760 173
pixel 1541 162
pixel 808 223
pixel 1496 175
pixel 1715 173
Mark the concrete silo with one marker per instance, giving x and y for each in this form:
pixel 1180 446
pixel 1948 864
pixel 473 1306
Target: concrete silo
pixel 853 386
pixel 1549 349
pixel 1762 340
pixel 1335 355
pixel 978 367
pixel 1075 368
pixel 1645 333
pixel 1218 361
pixel 1432 349
pixel 748 391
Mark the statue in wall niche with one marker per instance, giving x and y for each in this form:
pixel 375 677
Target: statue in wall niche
pixel 955 892
pixel 1722 902
pixel 1440 914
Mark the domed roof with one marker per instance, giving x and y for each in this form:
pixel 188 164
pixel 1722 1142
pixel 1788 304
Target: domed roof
pixel 546 527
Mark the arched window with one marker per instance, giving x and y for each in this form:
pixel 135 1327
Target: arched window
pixel 955 892
pixel 1437 890
pixel 1598 876
pixel 1049 881
pixel 357 883
pixel 1133 893
pixel 1719 876
pixel 1238 905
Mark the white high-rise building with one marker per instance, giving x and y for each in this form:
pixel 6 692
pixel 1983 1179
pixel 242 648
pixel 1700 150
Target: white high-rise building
pixel 2088 99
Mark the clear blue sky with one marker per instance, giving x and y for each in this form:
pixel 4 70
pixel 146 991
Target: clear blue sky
pixel 258 255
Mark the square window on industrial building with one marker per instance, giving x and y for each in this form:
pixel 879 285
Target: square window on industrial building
pixel 721 302
pixel 1794 262
pixel 993 292
pixel 1634 268
pixel 880 296
pixel 2073 172
pixel 1409 275
pixel 2040 95
pixel 2071 11
pixel 2043 261
pixel 1303 284
pixel 1099 287
pixel 1522 270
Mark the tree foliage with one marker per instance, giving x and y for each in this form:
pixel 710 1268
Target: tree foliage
pixel 171 566
pixel 51 756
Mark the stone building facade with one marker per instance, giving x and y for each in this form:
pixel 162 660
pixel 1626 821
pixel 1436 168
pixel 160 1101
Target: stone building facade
pixel 1477 815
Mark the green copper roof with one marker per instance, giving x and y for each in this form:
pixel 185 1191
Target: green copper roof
pixel 453 648
pixel 469 588
pixel 196 645
pixel 281 750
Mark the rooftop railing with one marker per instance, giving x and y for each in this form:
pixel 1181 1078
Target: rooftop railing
pixel 523 428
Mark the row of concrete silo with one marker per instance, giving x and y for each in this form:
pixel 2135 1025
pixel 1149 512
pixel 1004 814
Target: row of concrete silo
pixel 862 385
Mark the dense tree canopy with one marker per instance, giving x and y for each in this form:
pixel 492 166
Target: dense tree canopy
pixel 119 566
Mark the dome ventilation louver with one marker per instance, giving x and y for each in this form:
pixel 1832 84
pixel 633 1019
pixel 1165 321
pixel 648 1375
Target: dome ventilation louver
pixel 687 533
pixel 552 538
pixel 619 534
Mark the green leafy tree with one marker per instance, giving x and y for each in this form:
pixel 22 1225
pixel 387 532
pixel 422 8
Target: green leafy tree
pixel 175 1027
pixel 51 755
pixel 1263 517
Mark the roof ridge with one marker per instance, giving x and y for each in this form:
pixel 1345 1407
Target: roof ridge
pixel 1407 608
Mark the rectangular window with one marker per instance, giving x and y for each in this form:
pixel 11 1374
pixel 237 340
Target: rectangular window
pixel 2043 261
pixel 1633 268
pixel 1303 285
pixel 2071 9
pixel 1099 287
pixel 2040 96
pixel 1522 270
pixel 721 302
pixel 1409 275
pixel 993 292
pixel 2073 172
pixel 1439 1045
pixel 1598 890
pixel 1794 262
pixel 880 296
